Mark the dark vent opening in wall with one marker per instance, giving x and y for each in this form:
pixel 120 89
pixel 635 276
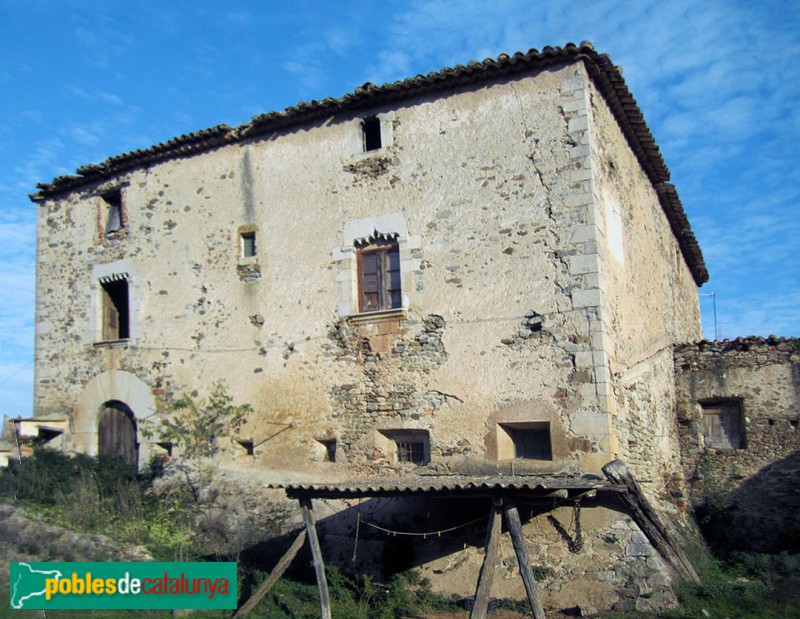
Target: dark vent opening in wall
pixel 247 446
pixel 371 128
pixel 114 217
pixel 330 449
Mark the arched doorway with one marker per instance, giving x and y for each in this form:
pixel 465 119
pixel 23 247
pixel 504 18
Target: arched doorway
pixel 116 433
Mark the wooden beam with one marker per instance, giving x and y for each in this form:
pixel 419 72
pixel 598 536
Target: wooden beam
pixel 480 608
pixel 645 516
pixel 515 529
pixel 273 577
pixel 316 553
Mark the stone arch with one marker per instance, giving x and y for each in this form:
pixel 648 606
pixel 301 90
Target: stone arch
pixel 109 387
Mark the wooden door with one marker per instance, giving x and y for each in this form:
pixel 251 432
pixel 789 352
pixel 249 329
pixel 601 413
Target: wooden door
pixel 117 433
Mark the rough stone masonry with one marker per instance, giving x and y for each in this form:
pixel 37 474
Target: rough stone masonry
pixel 481 270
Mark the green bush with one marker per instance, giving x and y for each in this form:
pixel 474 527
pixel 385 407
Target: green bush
pixel 746 586
pixel 100 495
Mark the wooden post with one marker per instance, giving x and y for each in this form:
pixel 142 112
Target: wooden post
pixel 316 553
pixel 273 577
pixel 645 516
pixel 515 528
pixel 481 606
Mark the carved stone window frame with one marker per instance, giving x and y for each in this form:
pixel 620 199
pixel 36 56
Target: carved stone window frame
pixel 110 272
pixel 360 233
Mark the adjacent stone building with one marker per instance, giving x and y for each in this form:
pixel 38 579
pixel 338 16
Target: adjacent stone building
pixel 738 414
pixel 478 271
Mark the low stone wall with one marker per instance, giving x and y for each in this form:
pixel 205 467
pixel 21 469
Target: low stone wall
pixel 751 480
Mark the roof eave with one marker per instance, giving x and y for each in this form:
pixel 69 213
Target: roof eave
pixel 607 78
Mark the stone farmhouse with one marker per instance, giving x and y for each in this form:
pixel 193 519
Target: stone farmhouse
pixel 478 273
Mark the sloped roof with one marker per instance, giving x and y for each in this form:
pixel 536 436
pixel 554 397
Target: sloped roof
pixel 607 78
pixel 450 485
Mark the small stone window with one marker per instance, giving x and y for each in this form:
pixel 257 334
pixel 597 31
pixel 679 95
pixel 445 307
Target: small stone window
pixel 247 445
pixel 248 247
pixel 115 216
pixel 410 446
pixel 330 449
pixel 371 133
pixel 165 449
pixel 49 435
pixel 526 441
pixel 379 276
pixel 723 426
pixel 116 314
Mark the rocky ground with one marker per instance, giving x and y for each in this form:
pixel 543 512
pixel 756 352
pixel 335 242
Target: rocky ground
pixel 23 538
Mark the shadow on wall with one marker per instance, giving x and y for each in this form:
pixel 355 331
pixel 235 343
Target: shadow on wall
pixel 761 515
pixel 386 536
pixel 368 537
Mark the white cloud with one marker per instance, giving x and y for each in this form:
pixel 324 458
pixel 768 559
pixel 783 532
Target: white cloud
pixel 99 95
pixel 716 85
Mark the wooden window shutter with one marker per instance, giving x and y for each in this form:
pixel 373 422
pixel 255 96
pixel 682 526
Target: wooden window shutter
pixel 379 279
pixel 722 425
pixel 393 289
pixel 110 318
pixel 116 308
pixel 370 281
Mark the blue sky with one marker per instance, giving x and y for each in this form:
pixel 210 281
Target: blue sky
pixel 718 82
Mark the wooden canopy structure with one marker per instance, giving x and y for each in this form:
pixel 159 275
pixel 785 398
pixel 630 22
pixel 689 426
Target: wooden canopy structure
pixel 505 492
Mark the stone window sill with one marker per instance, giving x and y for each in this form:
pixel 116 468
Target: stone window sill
pixel 113 344
pixel 399 312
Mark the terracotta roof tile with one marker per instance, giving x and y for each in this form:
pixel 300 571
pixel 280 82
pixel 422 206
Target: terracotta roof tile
pixel 790 344
pixel 607 78
pixel 676 215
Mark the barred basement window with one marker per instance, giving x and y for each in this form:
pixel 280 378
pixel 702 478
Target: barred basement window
pixel 379 276
pixel 530 441
pixel 411 446
pixel 723 426
pixel 411 451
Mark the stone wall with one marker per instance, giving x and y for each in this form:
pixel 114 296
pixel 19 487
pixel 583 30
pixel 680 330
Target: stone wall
pixel 514 308
pixel 586 559
pixel 755 483
pixel 646 301
pixel 489 239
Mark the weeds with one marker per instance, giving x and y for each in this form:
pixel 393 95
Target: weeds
pixel 746 586
pixel 100 495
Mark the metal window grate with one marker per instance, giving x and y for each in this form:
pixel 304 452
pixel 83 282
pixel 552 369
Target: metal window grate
pixel 411 451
